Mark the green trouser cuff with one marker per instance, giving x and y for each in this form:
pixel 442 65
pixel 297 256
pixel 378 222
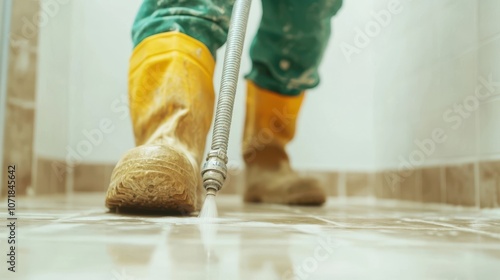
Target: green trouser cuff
pixel 289 45
pixel 205 20
pixel 261 76
pixel 286 51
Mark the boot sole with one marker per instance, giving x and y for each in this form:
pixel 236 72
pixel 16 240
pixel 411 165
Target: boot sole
pixel 148 183
pixel 135 198
pixel 299 191
pixel 305 199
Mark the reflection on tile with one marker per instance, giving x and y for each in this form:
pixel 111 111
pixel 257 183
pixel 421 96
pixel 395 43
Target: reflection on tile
pixel 460 185
pixel 489 184
pixel 389 240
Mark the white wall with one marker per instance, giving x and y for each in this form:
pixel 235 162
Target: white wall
pixel 336 128
pixel 366 115
pixel 489 64
pixel 53 85
pixel 82 81
pixel 431 58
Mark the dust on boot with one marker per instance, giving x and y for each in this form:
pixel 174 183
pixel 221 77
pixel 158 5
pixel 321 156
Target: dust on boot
pixel 269 126
pixel 171 104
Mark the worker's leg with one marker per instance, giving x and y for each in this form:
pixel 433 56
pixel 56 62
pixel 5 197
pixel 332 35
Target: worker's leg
pixel 289 45
pixel 286 53
pixel 171 99
pixel 204 20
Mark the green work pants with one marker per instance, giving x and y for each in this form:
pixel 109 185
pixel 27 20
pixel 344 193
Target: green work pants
pixel 286 51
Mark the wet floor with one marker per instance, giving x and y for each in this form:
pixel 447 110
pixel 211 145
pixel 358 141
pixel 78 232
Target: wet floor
pixel 75 238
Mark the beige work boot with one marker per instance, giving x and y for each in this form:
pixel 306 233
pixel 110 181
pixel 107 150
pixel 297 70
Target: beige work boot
pixel 171 104
pixel 269 126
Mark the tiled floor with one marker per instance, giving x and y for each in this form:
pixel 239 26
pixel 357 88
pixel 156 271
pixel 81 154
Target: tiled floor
pixel 75 238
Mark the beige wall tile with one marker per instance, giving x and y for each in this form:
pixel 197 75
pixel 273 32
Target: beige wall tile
pixel 419 185
pixel 410 187
pixel 50 176
pixel 332 183
pixel 489 184
pixel 358 184
pixel 431 185
pixel 21 81
pixel 387 185
pixel 24 22
pixel 91 177
pixel 235 182
pixel 460 189
pixel 22 70
pixel 327 179
pixel 18 144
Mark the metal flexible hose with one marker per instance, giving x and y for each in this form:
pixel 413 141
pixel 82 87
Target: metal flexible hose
pixel 230 74
pixel 215 170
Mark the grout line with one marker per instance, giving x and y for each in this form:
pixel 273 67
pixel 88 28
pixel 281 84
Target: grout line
pixel 477 186
pixel 490 234
pixel 442 184
pixel 34 173
pixel 418 181
pixel 477 138
pixel 334 175
pixel 487 40
pixel 372 181
pixel 327 221
pixel 396 227
pixel 298 211
pixel 83 213
pixel 69 180
pixel 341 184
pixel 69 217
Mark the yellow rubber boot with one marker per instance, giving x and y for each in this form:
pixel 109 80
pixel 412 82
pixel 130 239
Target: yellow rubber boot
pixel 270 125
pixel 171 104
